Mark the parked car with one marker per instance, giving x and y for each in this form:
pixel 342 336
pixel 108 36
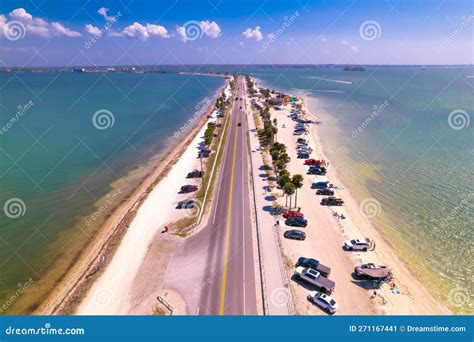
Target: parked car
pixel 329 201
pixel 292 213
pixel 319 172
pixel 317 167
pixel 315 278
pixel 320 185
pixel 295 234
pixel 358 244
pixel 296 222
pixel 302 140
pixel 303 155
pixel 188 188
pixel 323 301
pixel 313 162
pixel 239 124
pixel 186 204
pixel 373 271
pixel 195 174
pixel 325 192
pixel 314 264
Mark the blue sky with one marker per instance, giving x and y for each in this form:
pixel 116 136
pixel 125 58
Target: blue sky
pixel 118 32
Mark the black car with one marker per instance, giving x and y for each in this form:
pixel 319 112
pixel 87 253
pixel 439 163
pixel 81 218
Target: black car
pixel 239 124
pixel 186 204
pixel 318 172
pixel 296 222
pixel 332 201
pixel 325 192
pixel 188 188
pixel 314 264
pixel 303 155
pixel 195 174
pixel 295 234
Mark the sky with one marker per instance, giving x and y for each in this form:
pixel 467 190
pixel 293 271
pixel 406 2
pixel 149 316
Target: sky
pixel 155 32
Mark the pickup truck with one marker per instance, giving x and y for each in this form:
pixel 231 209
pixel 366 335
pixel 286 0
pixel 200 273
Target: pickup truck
pixel 314 264
pixel 315 278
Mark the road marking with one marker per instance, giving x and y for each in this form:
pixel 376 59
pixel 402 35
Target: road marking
pixel 243 216
pixel 226 253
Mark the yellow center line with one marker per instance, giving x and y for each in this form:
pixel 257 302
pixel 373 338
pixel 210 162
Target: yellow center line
pixel 226 252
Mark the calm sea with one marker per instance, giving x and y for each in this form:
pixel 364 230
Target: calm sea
pixel 71 145
pixel 403 141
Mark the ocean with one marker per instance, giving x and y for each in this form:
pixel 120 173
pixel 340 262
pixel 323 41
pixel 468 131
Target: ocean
pixel 402 140
pixel 72 147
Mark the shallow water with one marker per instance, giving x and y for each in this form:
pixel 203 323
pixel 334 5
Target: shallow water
pixel 58 162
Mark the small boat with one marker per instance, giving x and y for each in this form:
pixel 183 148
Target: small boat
pixel 373 271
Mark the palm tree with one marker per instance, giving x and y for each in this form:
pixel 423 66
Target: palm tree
pixel 283 178
pixel 297 181
pixel 289 190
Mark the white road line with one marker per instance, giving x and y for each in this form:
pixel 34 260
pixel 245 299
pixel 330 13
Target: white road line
pixel 243 224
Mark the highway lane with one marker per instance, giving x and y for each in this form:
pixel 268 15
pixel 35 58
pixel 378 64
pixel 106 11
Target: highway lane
pixel 217 264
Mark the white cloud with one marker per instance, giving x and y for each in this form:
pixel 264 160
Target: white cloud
pixel 241 44
pixel 91 29
pixel 253 34
pixel 59 29
pixel 210 28
pixel 344 42
pixel 181 33
pixel 143 32
pixel 354 48
pixel 38 26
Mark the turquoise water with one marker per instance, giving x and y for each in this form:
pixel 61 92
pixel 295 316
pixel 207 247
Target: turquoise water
pixel 57 163
pixel 406 155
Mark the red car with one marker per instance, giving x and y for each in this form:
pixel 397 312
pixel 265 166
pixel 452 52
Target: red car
pixel 313 162
pixel 292 213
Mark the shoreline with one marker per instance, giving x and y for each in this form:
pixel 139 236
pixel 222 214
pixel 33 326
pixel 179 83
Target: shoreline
pixel 418 299
pixel 384 247
pixel 95 258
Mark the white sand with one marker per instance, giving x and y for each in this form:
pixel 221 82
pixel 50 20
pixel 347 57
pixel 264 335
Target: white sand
pixel 110 294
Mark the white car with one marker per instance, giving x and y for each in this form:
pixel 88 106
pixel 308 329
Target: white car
pixel 323 301
pixel 358 245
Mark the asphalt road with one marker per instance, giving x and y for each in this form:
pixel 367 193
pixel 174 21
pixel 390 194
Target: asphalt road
pixel 214 270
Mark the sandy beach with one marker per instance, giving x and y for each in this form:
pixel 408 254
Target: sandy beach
pixel 326 234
